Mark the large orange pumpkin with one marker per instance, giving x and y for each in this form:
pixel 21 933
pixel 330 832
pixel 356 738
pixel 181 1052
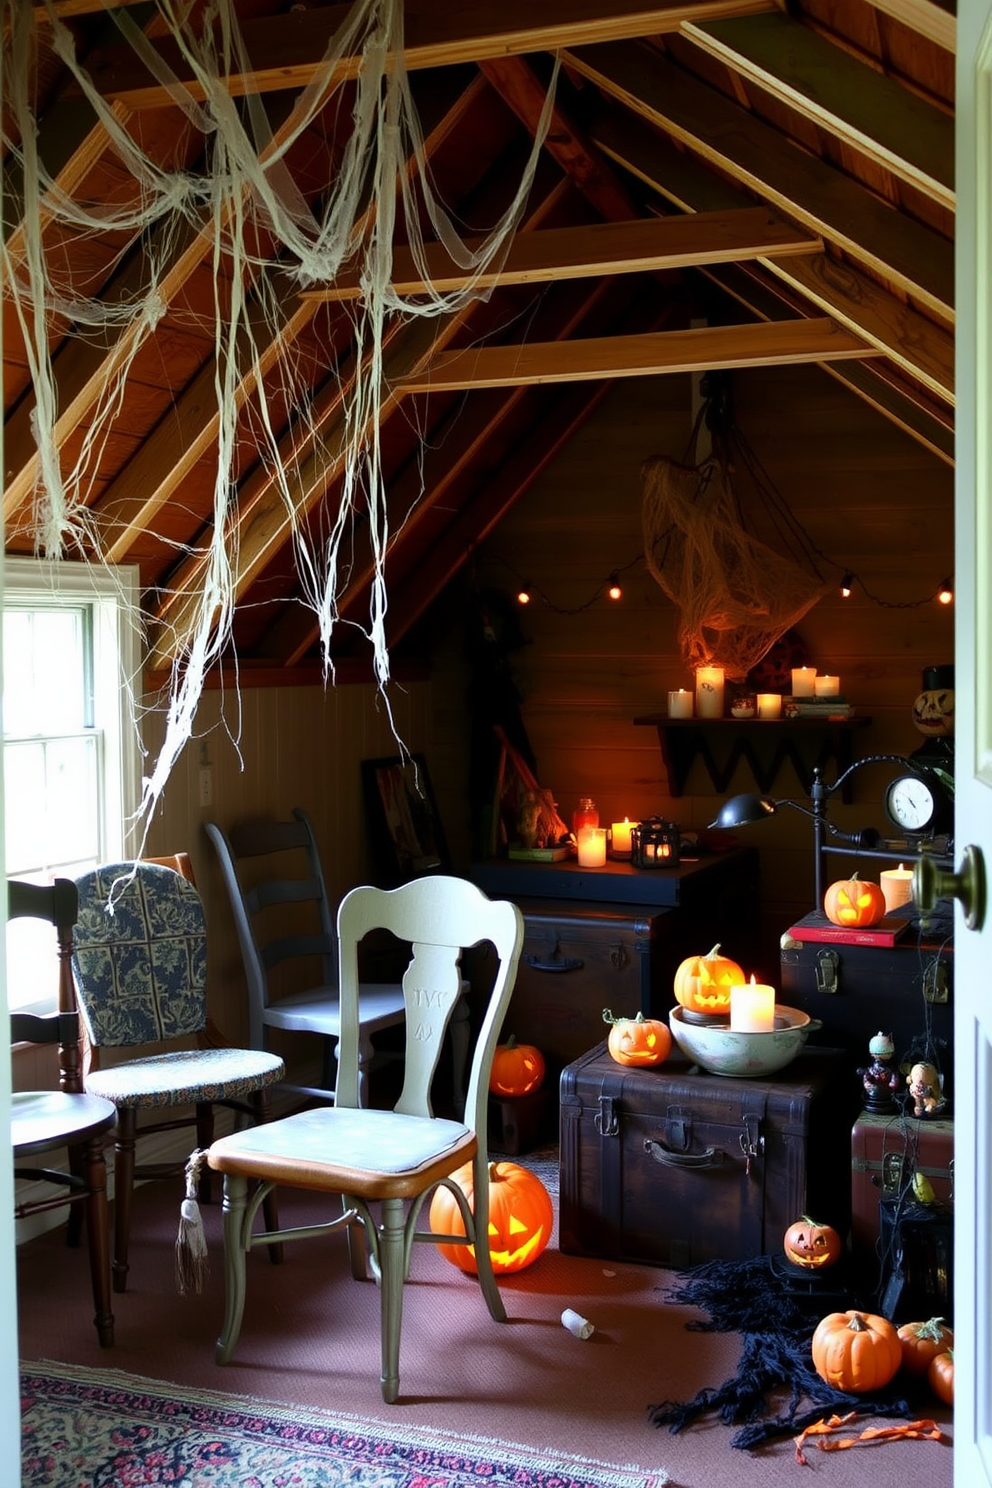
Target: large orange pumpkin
pixel 517 1069
pixel 853 902
pixel 521 1216
pixel 856 1351
pixel 637 1040
pixel 703 983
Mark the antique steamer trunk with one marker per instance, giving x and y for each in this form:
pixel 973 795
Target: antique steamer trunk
pixel 886 1150
pixel 674 1166
pixel 857 991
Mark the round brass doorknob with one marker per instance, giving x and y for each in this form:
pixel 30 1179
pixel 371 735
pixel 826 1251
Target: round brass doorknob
pixel 931 882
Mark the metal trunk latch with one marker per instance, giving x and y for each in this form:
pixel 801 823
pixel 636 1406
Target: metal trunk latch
pixel 606 1119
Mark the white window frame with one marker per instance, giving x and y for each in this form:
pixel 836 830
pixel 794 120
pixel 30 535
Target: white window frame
pixel 112 595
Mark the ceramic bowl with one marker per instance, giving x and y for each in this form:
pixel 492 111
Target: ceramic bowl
pixel 724 1051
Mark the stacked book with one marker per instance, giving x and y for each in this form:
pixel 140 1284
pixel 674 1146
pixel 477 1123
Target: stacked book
pixel 827 707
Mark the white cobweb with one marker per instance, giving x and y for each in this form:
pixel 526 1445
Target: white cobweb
pixel 239 195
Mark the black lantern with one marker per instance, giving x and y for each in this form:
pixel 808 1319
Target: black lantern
pixel 654 843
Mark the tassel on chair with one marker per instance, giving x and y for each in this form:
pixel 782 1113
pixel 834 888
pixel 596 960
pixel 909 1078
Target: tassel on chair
pixel 191 1241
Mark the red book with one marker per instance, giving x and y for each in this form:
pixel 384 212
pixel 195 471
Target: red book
pixel 817 927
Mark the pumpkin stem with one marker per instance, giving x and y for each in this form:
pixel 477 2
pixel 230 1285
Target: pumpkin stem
pixel 858 1324
pixel 932 1329
pixel 710 954
pixel 609 1018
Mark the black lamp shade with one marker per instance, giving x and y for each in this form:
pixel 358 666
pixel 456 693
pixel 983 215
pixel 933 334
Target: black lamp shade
pixel 743 811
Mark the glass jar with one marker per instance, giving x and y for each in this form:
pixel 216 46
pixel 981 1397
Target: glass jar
pixel 586 814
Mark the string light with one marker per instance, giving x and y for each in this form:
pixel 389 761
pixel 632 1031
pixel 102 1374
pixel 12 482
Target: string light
pixel 846 585
pixel 610 586
pixel 945 594
pixel 614 591
pixel 523 595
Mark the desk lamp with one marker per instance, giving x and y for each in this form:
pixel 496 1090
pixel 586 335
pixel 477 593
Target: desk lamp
pixel 743 810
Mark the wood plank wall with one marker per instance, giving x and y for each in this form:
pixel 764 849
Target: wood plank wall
pixel 871 500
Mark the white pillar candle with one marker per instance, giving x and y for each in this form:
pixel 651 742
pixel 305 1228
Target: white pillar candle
pixel 769 705
pixel 709 692
pixel 680 704
pixel 897 886
pixel 752 1008
pixel 803 680
pixel 592 847
pixel 827 686
pixel 621 836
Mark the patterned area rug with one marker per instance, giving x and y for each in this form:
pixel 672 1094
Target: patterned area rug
pixel 103 1429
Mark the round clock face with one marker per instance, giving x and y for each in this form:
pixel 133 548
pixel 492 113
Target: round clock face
pixel 912 803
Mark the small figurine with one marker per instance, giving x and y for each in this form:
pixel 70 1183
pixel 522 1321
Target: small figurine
pixel 880 1079
pixel 924 1086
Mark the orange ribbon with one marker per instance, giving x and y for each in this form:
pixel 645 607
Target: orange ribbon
pixel 922 1430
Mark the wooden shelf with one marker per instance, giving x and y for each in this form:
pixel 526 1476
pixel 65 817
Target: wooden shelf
pixel 766 744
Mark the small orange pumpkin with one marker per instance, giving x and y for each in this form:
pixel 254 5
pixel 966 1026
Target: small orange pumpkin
pixel 940 1376
pixel 521 1216
pixel 853 902
pixel 921 1342
pixel 637 1040
pixel 810 1245
pixel 703 983
pixel 856 1351
pixel 517 1069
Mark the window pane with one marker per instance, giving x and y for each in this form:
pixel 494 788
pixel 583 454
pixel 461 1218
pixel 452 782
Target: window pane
pixel 44 689
pixel 52 795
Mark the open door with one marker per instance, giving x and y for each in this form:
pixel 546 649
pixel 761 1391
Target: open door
pixel 973 750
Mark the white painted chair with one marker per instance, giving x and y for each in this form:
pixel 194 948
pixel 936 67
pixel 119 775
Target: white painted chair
pixel 389 1159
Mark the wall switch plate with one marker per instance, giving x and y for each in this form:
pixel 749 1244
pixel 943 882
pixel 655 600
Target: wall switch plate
pixel 206 785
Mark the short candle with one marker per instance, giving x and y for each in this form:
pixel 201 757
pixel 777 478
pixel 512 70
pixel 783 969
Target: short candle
pixel 592 847
pixel 897 886
pixel 769 705
pixel 827 686
pixel 680 704
pixel 803 680
pixel 752 1008
pixel 621 836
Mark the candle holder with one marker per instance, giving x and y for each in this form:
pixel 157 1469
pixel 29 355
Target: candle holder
pixel 655 844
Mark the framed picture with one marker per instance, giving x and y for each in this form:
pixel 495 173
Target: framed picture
pixel 405 832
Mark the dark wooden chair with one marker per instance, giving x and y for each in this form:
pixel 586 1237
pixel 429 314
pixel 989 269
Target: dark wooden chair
pixel 47 1121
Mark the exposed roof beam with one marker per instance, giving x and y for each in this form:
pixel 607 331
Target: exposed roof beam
pixel 600 248
pixel 766 345
pixel 917 259
pixel 293 45
pixel 936 23
pixel 897 129
pixel 922 349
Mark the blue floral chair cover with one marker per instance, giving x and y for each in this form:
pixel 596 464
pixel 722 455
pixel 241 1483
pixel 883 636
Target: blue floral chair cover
pixel 140 965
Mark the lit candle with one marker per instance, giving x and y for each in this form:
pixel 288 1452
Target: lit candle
pixel 680 704
pixel 592 847
pixel 752 1008
pixel 897 886
pixel 709 692
pixel 769 705
pixel 621 837
pixel 803 679
pixel 827 686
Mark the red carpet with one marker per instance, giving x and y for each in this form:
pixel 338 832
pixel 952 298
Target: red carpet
pixel 310 1337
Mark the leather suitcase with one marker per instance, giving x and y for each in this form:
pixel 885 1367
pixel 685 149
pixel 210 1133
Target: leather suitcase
pixel 578 959
pixel 673 1166
pixel 886 1150
pixel 857 991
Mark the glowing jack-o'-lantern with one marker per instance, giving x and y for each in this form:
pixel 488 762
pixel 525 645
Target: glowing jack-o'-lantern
pixel 637 1040
pixel 518 1069
pixel 521 1216
pixel 810 1245
pixel 853 902
pixel 703 983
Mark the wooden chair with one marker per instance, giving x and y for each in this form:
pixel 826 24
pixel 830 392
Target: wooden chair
pixel 45 1121
pixel 140 973
pixel 384 1163
pixel 286 876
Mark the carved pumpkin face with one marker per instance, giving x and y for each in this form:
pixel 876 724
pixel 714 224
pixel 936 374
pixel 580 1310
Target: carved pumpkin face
pixel 521 1216
pixel 810 1245
pixel 518 1069
pixel 637 1040
pixel 703 983
pixel 853 902
pixel 933 712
